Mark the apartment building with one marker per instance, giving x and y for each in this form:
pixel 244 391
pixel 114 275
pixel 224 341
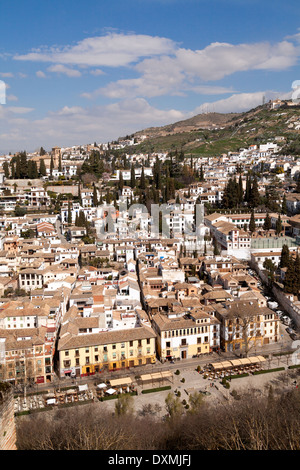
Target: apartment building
pixel 183 337
pixel 87 354
pixel 26 356
pixel 245 325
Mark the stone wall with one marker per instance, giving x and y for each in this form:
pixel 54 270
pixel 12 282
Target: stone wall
pixel 7 420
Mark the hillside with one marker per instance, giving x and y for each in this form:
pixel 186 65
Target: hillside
pixel 216 133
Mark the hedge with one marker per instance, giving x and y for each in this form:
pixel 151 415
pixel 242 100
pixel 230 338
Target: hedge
pixel 266 371
pixel 158 389
pixel 237 376
pixel 295 366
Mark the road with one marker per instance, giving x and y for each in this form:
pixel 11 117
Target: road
pixel 58 227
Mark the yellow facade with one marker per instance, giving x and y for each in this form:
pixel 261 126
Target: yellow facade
pixel 87 359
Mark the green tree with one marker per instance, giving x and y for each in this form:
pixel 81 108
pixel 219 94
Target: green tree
pixel 270 267
pixel 59 164
pixel 284 205
pixel 95 197
pixel 121 181
pixel 5 167
pixel 254 199
pixel 51 165
pixel 69 213
pixel 278 226
pixel 143 181
pixel 42 169
pixel 132 177
pixel 285 257
pixel 201 174
pixel 267 223
pixel 290 280
pixel 252 225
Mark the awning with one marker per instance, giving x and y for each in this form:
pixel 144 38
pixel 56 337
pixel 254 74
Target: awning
pixel 146 377
pixel 51 401
pixel 156 376
pixel 111 391
pixel 237 363
pixel 82 388
pixel 221 365
pixel 102 385
pixel 119 382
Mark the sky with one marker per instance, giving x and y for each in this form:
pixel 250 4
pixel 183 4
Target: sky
pixel 74 72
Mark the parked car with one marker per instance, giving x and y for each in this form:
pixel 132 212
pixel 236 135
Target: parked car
pixel 286 320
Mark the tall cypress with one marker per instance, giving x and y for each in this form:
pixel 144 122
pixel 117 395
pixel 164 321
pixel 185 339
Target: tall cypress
pixel 252 225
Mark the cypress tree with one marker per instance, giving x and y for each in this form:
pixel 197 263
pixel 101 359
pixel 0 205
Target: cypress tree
pixel 278 227
pixel 121 181
pixel 23 165
pixel 79 193
pixel 132 177
pixel 18 168
pixel 51 165
pixel 267 223
pixel 95 197
pixel 143 181
pixel 284 205
pixel 252 225
pixel 69 213
pixel 290 277
pixel 201 176
pixel 285 257
pixel 5 167
pixel 42 169
pixel 254 194
pixel 240 189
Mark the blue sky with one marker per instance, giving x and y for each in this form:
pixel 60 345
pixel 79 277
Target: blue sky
pixel 78 72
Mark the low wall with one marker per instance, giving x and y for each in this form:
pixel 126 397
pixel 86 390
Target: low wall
pixel 7 421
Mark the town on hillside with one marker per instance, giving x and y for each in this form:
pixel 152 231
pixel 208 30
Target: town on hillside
pixel 112 260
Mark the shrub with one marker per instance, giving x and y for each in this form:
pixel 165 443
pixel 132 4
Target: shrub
pixel 158 389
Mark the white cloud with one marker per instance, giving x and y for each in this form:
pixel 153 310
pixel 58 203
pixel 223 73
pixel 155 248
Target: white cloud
pixel 97 72
pixel 59 68
pixel 240 102
pixel 6 75
pixel 182 70
pixel 11 98
pixel 112 50
pixel 40 74
pixel 76 124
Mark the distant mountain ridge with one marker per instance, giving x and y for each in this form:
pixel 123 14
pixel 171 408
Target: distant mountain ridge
pixel 211 134
pixel 200 121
